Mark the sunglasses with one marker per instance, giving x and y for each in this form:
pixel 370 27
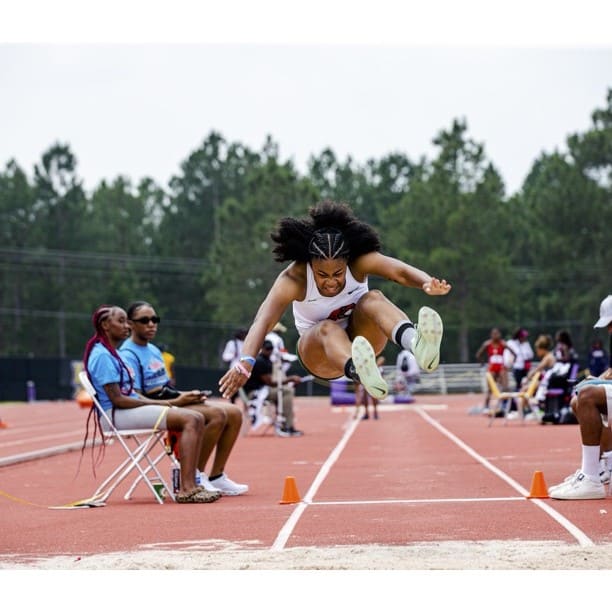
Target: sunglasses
pixel 147 320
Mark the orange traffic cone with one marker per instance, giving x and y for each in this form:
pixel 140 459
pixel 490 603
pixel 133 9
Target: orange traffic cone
pixel 290 492
pixel 539 490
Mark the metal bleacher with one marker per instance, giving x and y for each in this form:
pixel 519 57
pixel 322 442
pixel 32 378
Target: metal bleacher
pixel 448 378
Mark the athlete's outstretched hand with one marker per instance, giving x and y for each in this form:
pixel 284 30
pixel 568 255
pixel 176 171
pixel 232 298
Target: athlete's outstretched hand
pixel 436 287
pixel 231 381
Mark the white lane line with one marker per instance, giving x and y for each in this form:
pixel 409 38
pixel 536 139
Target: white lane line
pixel 55 436
pixel 393 407
pixel 447 500
pixel 286 530
pixel 582 538
pixel 42 453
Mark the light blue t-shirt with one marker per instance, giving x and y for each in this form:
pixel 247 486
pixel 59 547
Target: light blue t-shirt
pixel 103 369
pixel 144 362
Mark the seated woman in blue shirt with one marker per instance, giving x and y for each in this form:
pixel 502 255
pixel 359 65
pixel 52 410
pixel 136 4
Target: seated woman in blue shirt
pixel 223 420
pixel 114 389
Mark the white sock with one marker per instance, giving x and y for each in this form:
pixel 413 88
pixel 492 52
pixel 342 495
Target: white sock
pixel 590 461
pixel 607 457
pixel 406 332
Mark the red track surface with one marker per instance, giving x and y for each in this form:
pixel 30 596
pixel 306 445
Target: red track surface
pixel 424 472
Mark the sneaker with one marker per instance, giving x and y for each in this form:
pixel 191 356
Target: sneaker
pixel 604 472
pixel 565 481
pixel 259 420
pixel 364 361
pixel 282 432
pixel 228 487
pixel 604 476
pixel 197 496
pixel 579 487
pixel 202 481
pixel 288 432
pixel 426 342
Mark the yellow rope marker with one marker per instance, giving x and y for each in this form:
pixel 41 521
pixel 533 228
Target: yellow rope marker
pixel 91 502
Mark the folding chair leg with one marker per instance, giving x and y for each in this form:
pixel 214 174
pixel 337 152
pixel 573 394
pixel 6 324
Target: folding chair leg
pixel 153 466
pixel 132 462
pixel 492 412
pixel 102 493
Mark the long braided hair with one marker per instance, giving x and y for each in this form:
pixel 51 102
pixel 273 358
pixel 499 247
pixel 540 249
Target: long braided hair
pixel 100 315
pixel 330 231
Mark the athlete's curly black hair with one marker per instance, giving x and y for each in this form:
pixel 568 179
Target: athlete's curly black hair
pixel 330 231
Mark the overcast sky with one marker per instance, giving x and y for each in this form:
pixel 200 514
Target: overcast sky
pixel 140 109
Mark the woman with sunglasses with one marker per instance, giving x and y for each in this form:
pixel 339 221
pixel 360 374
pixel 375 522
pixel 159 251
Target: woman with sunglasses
pixel 222 420
pixel 113 383
pixel 342 324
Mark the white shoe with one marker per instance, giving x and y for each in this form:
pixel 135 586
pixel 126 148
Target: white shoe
pixel 604 472
pixel 580 486
pixel 604 476
pixel 532 415
pixel 202 481
pixel 426 342
pixel 364 361
pixel 565 481
pixel 259 421
pixel 228 487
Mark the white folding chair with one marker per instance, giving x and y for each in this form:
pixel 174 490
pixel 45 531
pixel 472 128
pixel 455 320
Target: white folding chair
pixel 138 445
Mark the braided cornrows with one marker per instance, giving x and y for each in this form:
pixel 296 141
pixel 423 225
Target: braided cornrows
pixel 328 243
pixel 331 231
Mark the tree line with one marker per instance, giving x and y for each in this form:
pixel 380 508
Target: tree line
pixel 199 249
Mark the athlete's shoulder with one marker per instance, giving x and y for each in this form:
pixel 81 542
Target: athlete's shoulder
pixel 373 262
pixel 295 274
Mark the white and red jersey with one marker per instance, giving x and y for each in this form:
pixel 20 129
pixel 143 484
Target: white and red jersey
pixel 316 307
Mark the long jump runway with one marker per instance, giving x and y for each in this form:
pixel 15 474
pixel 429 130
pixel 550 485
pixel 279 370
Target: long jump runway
pixel 426 486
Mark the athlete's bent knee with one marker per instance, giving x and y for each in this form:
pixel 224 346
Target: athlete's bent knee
pixel 590 396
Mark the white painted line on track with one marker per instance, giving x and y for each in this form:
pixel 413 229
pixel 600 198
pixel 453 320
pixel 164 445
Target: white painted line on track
pixel 286 530
pixel 42 453
pixel 393 407
pixel 60 434
pixel 582 538
pixel 448 500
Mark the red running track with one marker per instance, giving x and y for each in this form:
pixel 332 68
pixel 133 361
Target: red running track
pixel 424 472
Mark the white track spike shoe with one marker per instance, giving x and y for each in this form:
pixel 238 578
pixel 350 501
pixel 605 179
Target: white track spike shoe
pixel 426 342
pixel 364 361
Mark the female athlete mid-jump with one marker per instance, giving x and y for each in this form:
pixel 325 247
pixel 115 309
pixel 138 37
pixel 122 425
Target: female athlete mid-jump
pixel 342 324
